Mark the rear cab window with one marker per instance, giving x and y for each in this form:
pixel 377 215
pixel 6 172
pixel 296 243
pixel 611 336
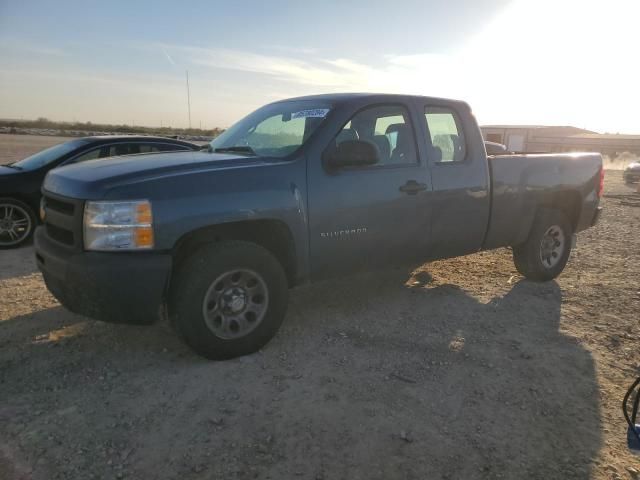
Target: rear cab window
pixel 446 134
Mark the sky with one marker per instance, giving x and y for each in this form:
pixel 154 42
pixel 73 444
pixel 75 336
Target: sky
pixel 553 62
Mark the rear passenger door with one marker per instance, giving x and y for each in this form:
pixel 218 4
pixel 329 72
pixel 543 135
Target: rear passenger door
pixel 460 177
pixel 364 217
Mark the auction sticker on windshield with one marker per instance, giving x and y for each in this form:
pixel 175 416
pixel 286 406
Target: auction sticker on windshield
pixel 314 113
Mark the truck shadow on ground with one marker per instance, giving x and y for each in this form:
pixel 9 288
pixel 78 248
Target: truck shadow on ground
pixel 369 378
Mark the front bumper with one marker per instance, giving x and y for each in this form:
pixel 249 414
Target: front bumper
pixel 114 287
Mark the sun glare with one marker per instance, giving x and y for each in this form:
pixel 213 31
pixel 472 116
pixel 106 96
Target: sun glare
pixel 568 62
pixel 559 62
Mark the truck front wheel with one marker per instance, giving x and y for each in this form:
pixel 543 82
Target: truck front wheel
pixel 546 252
pixel 228 299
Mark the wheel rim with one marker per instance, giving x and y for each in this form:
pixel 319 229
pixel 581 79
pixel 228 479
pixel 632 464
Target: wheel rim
pixel 235 303
pixel 15 224
pixel 552 246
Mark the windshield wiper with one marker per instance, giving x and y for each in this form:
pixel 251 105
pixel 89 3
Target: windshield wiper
pixel 237 149
pixel 12 165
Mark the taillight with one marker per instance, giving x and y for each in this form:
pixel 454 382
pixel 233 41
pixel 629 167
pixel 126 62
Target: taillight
pixel 601 184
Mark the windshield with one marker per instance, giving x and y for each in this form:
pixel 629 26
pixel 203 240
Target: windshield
pixel 275 130
pixel 47 156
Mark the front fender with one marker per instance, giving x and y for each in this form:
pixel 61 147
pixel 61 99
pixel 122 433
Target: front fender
pixel 185 203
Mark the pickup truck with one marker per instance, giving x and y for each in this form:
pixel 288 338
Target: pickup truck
pixel 297 191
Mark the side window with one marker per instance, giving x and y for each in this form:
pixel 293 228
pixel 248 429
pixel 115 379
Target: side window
pixel 387 126
pixel 168 147
pixel 382 128
pixel 148 148
pixel 133 148
pixel 90 155
pixel 447 136
pixel 121 149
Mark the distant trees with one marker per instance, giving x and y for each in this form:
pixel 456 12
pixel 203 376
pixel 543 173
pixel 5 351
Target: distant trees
pixel 45 123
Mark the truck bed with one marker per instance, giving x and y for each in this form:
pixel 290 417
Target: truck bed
pixel 520 183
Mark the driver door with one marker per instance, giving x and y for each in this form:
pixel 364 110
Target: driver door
pixel 369 217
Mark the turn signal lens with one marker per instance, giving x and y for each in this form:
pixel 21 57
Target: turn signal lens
pixel 144 237
pixel 143 213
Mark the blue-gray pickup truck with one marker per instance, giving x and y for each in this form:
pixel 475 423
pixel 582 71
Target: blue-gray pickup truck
pixel 297 191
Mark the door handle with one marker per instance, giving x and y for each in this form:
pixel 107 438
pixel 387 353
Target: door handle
pixel 412 187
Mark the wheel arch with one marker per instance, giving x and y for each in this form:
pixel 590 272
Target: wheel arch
pixel 568 202
pixel 271 234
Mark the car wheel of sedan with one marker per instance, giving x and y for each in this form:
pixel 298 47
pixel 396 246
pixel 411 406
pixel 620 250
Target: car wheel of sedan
pixel 17 223
pixel 546 252
pixel 228 299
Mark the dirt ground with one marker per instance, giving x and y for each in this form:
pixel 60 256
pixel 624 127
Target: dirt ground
pixel 461 370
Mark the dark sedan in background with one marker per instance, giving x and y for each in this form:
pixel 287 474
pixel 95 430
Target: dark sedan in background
pixel 20 182
pixel 631 174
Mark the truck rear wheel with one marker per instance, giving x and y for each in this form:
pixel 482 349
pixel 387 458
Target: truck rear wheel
pixel 546 252
pixel 228 299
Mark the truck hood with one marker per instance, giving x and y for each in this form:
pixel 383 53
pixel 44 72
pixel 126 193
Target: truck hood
pixel 91 179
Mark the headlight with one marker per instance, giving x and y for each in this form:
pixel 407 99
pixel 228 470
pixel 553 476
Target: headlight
pixel 118 225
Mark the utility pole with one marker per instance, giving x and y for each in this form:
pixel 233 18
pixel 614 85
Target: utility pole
pixel 188 100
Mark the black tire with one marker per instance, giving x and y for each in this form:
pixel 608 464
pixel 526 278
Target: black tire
pixel 13 213
pixel 197 275
pixel 528 257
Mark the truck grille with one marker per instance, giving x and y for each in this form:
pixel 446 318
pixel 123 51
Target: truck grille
pixel 58 206
pixel 63 220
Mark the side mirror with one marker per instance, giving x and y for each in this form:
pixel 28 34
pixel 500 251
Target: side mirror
pixel 353 153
